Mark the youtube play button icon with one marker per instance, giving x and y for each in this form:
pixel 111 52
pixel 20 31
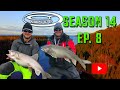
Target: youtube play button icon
pixel 99 68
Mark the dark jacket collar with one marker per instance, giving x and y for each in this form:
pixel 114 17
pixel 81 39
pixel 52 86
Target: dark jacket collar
pixel 64 37
pixel 21 40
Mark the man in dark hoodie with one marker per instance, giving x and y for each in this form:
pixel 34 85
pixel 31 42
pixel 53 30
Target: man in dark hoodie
pixel 59 67
pixel 27 45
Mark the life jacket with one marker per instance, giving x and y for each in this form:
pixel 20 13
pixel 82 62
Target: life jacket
pixel 25 71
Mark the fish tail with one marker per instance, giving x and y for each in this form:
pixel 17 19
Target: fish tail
pixel 87 62
pixel 46 75
pixel 82 64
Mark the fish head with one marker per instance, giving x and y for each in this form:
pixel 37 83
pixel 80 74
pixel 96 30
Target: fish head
pixel 13 53
pixel 46 48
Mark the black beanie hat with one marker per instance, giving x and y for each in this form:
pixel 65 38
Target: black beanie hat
pixel 27 26
pixel 58 26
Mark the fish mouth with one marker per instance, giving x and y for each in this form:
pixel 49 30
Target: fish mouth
pixel 7 54
pixel 9 51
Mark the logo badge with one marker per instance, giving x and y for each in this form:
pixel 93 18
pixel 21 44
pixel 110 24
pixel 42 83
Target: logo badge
pixel 99 68
pixel 43 19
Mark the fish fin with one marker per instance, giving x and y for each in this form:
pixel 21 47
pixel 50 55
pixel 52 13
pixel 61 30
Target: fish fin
pixel 82 64
pixel 53 55
pixel 7 58
pixel 8 55
pixel 37 72
pixel 29 67
pixel 32 56
pixel 17 58
pixel 46 75
pixel 71 61
pixel 87 62
pixel 68 60
pixel 74 62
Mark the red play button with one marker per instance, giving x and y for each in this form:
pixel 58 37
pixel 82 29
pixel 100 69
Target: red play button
pixel 99 68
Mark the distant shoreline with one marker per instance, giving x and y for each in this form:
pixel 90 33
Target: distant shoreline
pixel 33 35
pixel 37 37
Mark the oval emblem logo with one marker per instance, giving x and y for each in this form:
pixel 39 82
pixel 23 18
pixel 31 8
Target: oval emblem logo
pixel 43 19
